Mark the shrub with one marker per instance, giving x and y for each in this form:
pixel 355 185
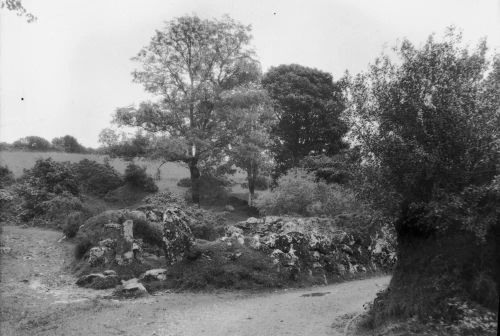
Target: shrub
pixel 184 182
pixel 137 177
pixel 97 178
pixel 6 177
pixel 73 222
pixel 208 226
pixel 82 246
pixel 48 191
pixel 52 177
pixel 297 193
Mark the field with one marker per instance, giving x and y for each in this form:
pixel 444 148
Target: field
pixel 170 172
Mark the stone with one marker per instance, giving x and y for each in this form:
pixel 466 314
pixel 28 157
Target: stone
pixel 346 249
pixel 98 280
pixel 252 220
pixel 5 250
pixel 109 272
pixel 97 256
pixel 177 236
pixel 154 274
pixel 128 256
pixel 128 230
pixel 138 215
pixel 341 270
pixel 316 255
pixel 131 289
pixel 229 208
pixel 112 226
pixel 109 243
pixel 254 242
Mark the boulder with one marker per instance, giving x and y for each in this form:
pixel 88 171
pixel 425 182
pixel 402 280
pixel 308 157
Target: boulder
pixel 131 289
pixel 229 208
pixel 100 255
pixel 99 280
pixel 177 236
pixel 154 274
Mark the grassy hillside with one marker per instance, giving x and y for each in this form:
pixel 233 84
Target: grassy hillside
pixel 170 172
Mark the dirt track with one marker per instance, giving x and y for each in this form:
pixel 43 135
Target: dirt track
pixel 38 298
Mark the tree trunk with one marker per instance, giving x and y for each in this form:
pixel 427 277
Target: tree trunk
pixel 433 267
pixel 195 180
pixel 251 189
pixel 251 176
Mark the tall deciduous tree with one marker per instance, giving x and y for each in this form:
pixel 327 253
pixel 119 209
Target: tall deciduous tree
pixel 429 123
pixel 187 66
pixel 308 105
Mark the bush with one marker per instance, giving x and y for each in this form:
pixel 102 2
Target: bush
pixel 52 177
pixel 97 178
pixel 184 182
pixel 298 193
pixel 82 246
pixel 49 191
pixel 6 177
pixel 136 176
pixel 208 226
pixel 73 222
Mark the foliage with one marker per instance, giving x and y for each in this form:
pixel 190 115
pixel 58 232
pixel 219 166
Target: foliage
pixel 260 183
pixel 298 193
pixel 250 120
pixel 32 143
pixel 340 168
pixel 127 147
pixel 430 125
pixel 17 6
pixel 6 177
pixel 184 182
pixel 188 65
pixel 73 222
pixel 308 105
pixel 97 178
pixel 212 190
pixel 68 144
pixel 136 176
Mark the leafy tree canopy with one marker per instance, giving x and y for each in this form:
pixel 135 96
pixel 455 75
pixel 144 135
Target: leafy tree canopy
pixel 308 105
pixel 188 65
pixel 429 124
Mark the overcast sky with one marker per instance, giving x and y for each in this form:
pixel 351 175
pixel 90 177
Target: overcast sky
pixel 67 72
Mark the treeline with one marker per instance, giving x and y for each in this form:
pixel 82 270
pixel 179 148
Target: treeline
pixel 33 143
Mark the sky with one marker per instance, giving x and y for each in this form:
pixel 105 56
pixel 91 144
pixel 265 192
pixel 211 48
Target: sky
pixel 67 72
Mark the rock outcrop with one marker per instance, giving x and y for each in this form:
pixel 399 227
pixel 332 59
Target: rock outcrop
pixel 316 246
